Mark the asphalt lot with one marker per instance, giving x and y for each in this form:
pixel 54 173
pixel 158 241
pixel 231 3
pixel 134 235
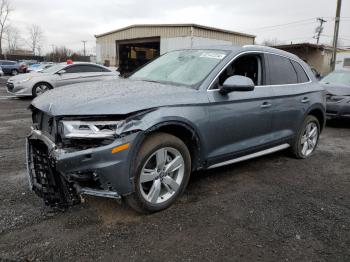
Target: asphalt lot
pixel 274 208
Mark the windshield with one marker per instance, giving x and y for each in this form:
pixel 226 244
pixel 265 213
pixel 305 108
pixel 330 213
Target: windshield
pixel 185 67
pixel 54 69
pixel 339 77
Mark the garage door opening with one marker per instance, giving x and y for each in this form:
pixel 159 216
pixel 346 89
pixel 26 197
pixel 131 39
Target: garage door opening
pixel 133 54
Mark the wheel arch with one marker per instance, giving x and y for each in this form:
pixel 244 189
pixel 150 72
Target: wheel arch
pixel 43 82
pixel 184 131
pixel 318 112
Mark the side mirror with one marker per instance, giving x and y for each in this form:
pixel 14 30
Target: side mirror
pixel 236 83
pixel 61 72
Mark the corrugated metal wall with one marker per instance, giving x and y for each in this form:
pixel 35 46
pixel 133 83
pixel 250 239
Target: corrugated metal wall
pixel 106 44
pixel 234 38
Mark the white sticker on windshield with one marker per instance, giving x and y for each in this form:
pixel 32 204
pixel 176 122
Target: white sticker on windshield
pixel 213 55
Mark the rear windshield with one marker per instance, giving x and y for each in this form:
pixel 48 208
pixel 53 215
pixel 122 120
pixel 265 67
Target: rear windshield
pixel 185 67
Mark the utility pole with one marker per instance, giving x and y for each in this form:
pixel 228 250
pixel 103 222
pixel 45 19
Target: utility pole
pixel 336 33
pixel 84 42
pixel 319 29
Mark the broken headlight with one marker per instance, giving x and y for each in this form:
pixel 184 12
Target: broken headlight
pixel 89 129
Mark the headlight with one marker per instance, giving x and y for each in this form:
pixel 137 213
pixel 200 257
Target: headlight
pixel 89 129
pixel 24 80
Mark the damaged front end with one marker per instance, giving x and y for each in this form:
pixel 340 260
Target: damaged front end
pixel 69 157
pixel 44 179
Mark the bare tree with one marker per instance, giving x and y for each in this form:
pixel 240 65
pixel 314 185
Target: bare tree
pixel 13 38
pixel 271 42
pixel 5 9
pixel 60 54
pixel 35 37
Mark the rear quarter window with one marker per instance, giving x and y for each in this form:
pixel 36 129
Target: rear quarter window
pixel 281 71
pixel 302 76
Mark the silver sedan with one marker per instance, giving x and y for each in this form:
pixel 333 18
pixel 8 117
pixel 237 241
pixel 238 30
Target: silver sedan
pixel 34 84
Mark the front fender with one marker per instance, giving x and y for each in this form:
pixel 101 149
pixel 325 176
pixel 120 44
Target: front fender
pixel 192 119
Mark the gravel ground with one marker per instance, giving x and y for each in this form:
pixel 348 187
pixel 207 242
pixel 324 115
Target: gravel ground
pixel 274 208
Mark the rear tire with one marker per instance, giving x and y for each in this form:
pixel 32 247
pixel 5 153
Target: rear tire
pixel 40 88
pixel 163 167
pixel 306 141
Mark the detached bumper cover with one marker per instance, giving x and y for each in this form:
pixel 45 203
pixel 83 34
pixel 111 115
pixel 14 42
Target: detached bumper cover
pixel 59 176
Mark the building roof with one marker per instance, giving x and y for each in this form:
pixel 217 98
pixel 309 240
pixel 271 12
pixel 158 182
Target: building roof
pixel 177 25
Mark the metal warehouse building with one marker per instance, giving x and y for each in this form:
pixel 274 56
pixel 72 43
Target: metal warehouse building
pixel 133 46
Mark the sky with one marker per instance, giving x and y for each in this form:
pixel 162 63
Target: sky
pixel 69 22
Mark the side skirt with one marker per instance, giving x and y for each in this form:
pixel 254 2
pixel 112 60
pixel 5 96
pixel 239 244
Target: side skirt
pixel 250 156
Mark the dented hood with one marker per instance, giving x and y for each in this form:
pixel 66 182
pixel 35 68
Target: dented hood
pixel 115 97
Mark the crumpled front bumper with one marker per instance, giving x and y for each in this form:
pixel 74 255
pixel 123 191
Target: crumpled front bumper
pixel 60 176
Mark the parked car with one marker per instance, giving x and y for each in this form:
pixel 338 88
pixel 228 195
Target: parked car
pixel 10 67
pixel 39 67
pixel 337 85
pixel 1 72
pixel 23 67
pixel 140 138
pixel 36 83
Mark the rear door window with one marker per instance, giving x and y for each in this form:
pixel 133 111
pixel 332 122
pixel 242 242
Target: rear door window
pixel 281 71
pixel 75 69
pixel 302 76
pixel 91 69
pixel 85 69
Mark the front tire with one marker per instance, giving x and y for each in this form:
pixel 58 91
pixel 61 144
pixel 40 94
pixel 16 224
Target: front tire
pixel 163 167
pixel 307 139
pixel 40 88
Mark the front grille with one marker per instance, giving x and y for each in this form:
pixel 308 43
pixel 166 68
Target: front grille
pixel 46 182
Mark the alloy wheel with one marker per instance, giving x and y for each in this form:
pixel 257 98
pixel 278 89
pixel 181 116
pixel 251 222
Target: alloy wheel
pixel 40 89
pixel 309 139
pixel 162 175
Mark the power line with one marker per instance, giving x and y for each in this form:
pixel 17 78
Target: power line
pixel 343 18
pixel 281 25
pixel 343 38
pixel 281 28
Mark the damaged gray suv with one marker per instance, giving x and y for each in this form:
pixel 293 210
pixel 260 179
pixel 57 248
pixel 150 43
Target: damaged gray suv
pixel 140 138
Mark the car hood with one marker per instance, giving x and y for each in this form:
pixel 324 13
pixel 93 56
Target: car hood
pixel 115 97
pixel 25 76
pixel 337 89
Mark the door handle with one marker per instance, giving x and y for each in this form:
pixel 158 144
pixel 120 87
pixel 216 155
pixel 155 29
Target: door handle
pixel 305 100
pixel 265 105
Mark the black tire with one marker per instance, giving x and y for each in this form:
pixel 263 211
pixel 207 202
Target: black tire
pixel 40 85
pixel 14 72
pixel 297 145
pixel 151 144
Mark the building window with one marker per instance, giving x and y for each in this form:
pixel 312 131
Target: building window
pixel 346 62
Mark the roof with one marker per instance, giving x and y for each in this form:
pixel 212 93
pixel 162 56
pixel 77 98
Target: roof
pixel 258 48
pixel 302 45
pixel 177 25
